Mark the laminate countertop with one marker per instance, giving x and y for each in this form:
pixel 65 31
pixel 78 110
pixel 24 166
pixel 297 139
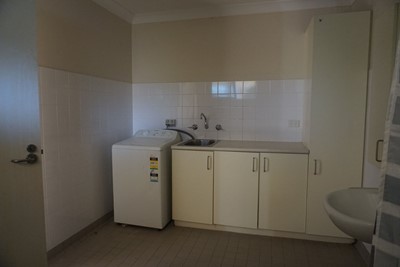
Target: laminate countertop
pixel 249 146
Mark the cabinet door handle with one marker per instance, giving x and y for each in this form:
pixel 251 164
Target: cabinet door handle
pixel 317 170
pixel 377 150
pixel 209 164
pixel 266 164
pixel 315 167
pixel 254 164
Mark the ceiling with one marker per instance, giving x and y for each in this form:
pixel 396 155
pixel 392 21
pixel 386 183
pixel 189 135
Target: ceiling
pixel 145 11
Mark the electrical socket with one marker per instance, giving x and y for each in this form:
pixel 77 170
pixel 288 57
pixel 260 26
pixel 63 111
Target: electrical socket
pixel 170 122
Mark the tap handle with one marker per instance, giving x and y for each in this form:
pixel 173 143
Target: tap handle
pixel 194 127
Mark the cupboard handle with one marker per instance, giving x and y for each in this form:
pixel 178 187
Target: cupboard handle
pixel 254 164
pixel 266 164
pixel 315 167
pixel 208 162
pixel 377 150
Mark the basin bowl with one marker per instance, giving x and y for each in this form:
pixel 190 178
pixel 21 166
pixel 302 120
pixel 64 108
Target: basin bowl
pixel 353 211
pixel 199 142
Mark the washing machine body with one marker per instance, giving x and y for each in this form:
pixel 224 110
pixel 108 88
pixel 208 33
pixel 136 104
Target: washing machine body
pixel 142 178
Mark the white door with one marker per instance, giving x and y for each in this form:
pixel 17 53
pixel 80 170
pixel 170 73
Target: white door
pixel 192 186
pixel 22 231
pixel 283 187
pixel 236 189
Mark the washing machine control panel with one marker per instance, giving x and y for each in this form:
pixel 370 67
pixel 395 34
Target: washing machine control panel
pixel 166 134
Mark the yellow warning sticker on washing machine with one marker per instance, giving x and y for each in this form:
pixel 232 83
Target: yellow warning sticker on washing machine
pixel 153 163
pixel 153 169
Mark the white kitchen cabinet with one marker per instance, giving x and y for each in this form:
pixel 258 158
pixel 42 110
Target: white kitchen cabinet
pixel 236 189
pixel 340 46
pixel 192 186
pixel 282 192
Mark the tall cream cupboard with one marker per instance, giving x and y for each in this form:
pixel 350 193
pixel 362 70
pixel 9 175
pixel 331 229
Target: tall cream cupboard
pixel 340 46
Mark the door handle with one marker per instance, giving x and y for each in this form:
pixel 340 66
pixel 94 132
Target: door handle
pixel 377 150
pixel 30 159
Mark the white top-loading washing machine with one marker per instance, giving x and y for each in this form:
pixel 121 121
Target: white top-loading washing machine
pixel 142 178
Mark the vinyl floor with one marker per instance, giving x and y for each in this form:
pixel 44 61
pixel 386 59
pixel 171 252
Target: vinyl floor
pixel 113 245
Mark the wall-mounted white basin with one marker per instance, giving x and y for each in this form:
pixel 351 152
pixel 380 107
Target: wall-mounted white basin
pixel 353 211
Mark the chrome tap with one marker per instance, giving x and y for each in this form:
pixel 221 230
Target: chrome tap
pixel 194 127
pixel 205 120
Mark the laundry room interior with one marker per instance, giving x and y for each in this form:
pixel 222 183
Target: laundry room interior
pixel 106 73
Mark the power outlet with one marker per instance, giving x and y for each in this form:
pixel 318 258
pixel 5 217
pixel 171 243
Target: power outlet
pixel 170 123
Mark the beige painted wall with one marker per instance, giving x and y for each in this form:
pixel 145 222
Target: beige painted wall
pixel 359 5
pixel 383 35
pixel 381 70
pixel 82 37
pixel 248 47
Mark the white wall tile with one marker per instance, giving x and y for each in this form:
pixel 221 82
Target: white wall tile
pixel 204 100
pixel 225 88
pixel 187 112
pixel 81 117
pixel 247 110
pixel 188 100
pixel 249 100
pixel 236 135
pixel 237 100
pixel 238 88
pixel 223 100
pixel 263 87
pixel 223 135
pixel 277 85
pixel 193 88
pixel 249 113
pixel 249 87
pixel 211 135
pixel 237 113
pixel 211 88
pixel 220 113
pixel 188 88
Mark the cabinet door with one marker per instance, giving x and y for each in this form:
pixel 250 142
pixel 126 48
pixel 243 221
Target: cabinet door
pixel 236 189
pixel 192 186
pixel 283 187
pixel 338 104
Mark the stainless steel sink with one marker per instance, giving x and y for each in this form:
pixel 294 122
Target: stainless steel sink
pixel 199 142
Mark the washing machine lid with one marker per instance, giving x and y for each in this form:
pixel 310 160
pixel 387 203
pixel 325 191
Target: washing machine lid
pixel 149 140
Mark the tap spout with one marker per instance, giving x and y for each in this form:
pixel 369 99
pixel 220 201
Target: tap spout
pixel 205 120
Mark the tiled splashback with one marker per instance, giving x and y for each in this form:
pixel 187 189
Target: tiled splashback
pixel 247 110
pixel 82 116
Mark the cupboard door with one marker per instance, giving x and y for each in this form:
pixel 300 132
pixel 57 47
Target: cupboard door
pixel 192 186
pixel 236 189
pixel 282 193
pixel 338 104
